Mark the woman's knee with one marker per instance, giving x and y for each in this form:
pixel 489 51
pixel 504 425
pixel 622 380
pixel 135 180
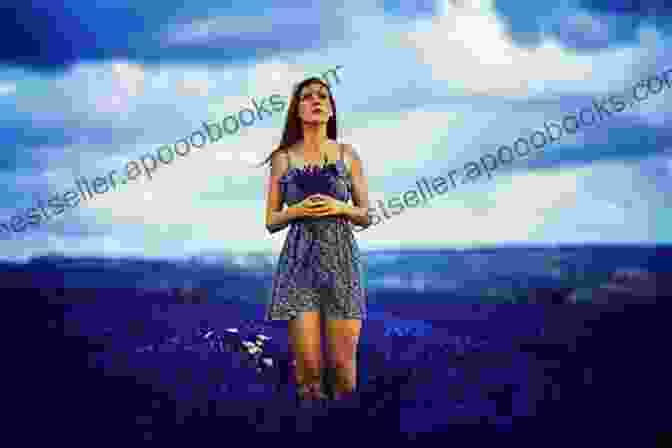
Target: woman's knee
pixel 312 364
pixel 342 353
pixel 309 369
pixel 342 363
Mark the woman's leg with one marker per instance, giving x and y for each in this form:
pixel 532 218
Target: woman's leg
pixel 304 339
pixel 342 340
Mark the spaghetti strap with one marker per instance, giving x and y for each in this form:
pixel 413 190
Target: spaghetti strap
pixel 345 166
pixel 289 159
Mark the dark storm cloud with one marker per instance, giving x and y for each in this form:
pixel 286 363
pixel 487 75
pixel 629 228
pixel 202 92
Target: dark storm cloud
pixel 527 22
pixel 29 139
pixel 642 8
pixel 599 146
pixel 42 36
pixel 49 37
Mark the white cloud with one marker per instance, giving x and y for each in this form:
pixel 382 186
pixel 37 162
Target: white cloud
pixel 7 88
pixel 130 77
pixel 406 140
pixel 469 46
pixel 276 77
pixel 205 31
pixel 525 208
pixel 197 87
pixel 127 85
pixel 567 206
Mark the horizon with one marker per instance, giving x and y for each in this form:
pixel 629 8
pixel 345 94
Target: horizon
pixel 407 249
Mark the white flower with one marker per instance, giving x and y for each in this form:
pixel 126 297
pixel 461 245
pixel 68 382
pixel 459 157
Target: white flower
pixel 232 330
pixel 251 347
pixel 254 350
pixel 263 338
pixel 268 362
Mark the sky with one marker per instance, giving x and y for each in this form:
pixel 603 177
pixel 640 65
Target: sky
pixel 424 89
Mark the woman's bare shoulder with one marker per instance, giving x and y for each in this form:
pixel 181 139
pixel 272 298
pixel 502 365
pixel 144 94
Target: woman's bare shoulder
pixel 350 151
pixel 279 163
pixel 278 155
pixel 293 149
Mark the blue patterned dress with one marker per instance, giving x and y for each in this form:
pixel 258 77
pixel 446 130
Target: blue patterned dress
pixel 319 268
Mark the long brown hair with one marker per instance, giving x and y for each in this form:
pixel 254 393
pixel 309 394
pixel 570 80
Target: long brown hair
pixel 293 127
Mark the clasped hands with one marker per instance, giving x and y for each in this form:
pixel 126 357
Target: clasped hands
pixel 319 205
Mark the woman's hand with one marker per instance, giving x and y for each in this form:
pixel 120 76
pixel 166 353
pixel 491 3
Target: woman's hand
pixel 323 205
pixel 305 208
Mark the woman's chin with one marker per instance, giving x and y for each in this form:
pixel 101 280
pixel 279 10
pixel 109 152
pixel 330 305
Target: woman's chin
pixel 315 120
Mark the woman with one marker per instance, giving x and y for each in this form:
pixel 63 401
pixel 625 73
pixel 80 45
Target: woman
pixel 318 280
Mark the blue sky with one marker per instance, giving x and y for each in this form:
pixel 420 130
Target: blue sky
pixel 425 87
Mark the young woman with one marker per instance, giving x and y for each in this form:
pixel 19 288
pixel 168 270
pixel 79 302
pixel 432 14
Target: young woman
pixel 319 280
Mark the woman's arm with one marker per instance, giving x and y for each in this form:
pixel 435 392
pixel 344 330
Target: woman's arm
pixel 277 218
pixel 359 213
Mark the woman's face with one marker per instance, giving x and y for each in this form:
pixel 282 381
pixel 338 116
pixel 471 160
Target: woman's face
pixel 314 104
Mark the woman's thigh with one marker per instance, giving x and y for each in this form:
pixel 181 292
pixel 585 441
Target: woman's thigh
pixel 304 336
pixel 342 337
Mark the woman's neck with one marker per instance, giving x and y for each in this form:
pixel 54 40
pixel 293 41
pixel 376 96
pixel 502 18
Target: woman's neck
pixel 314 140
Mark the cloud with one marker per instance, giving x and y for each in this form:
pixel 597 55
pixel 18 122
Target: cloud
pixel 470 47
pixel 204 31
pixel 128 85
pixel 279 77
pixel 412 134
pixel 7 88
pixel 585 29
pixel 197 87
pixel 564 206
pixel 641 8
pixel 130 77
pixel 54 38
pixel 573 205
